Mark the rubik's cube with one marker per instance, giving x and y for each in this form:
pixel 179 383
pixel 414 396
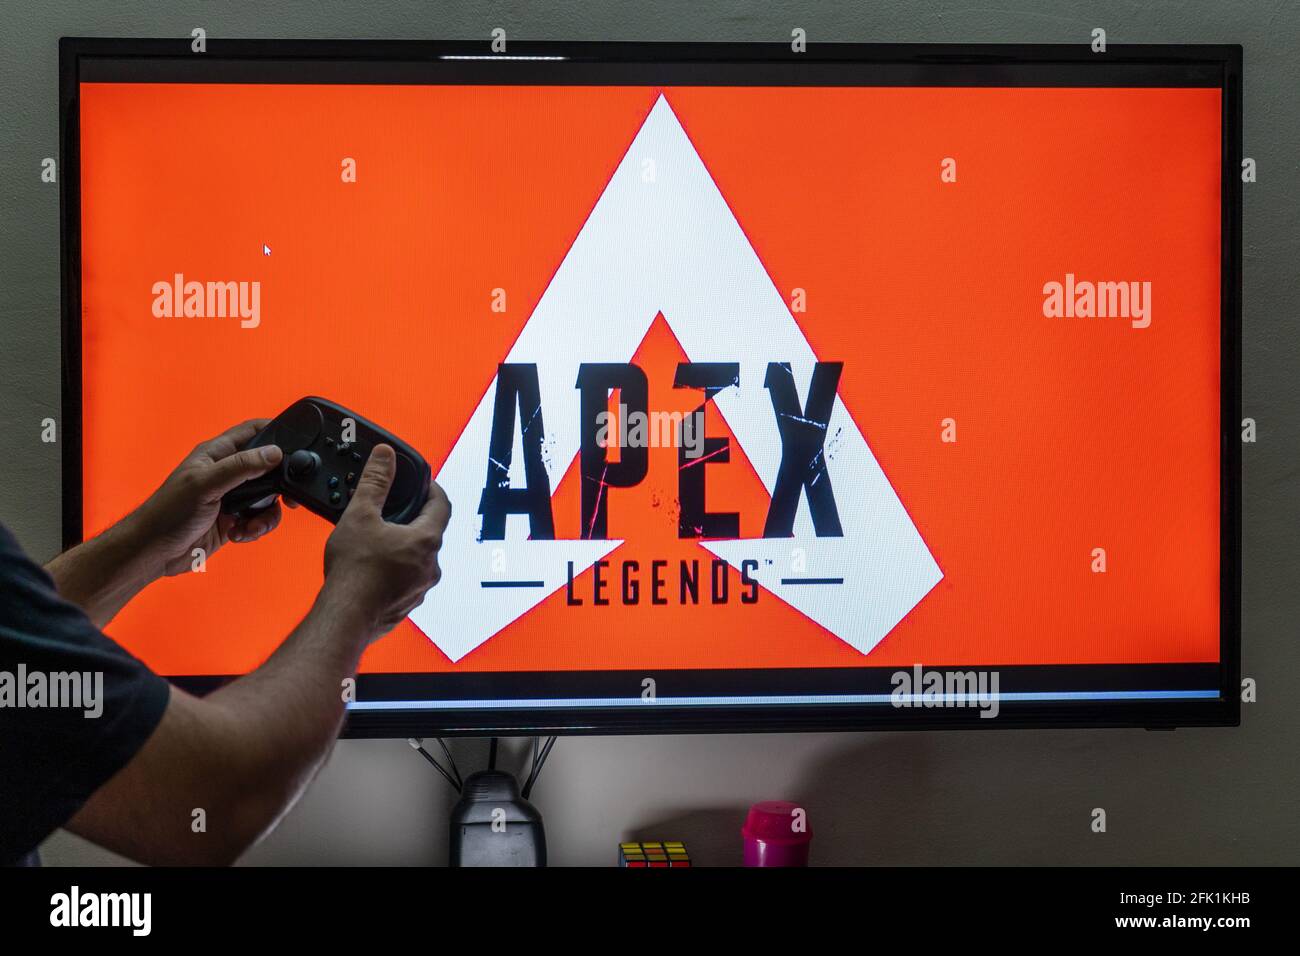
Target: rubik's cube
pixel 671 853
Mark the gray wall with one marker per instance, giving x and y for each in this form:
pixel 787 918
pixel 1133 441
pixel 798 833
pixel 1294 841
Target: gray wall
pixel 1210 797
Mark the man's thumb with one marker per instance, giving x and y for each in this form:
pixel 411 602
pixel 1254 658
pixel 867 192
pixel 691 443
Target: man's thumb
pixel 377 478
pixel 234 470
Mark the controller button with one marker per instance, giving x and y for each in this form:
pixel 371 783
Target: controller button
pixel 351 479
pixel 335 497
pixel 356 456
pixel 333 482
pixel 302 464
pixel 344 447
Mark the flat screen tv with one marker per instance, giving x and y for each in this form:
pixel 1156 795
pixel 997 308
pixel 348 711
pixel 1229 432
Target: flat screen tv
pixel 859 387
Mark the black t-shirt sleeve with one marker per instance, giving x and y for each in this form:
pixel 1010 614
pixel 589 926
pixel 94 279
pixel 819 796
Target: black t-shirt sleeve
pixel 74 706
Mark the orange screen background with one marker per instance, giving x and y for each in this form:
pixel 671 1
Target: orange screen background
pixel 1072 433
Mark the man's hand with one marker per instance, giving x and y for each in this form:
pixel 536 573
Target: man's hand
pixel 384 569
pixel 185 513
pixel 160 536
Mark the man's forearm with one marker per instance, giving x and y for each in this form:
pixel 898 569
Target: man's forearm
pixel 102 574
pixel 243 754
pixel 293 703
pixel 284 717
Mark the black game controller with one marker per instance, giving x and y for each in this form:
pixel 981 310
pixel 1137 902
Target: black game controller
pixel 325 448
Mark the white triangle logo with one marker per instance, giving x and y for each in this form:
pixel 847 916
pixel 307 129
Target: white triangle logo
pixel 669 243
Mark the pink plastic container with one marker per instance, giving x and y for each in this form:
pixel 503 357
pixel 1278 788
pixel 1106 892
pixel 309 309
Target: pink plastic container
pixel 777 833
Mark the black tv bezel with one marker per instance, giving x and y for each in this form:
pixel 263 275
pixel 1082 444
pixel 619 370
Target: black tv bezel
pixel 538 62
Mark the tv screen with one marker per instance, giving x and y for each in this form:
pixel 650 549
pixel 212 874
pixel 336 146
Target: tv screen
pixel 865 387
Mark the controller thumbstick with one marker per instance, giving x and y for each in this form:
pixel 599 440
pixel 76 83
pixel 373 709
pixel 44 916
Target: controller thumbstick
pixel 302 464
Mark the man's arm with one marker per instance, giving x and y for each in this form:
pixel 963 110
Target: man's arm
pixel 241 755
pixel 159 537
pixel 102 574
pixel 244 753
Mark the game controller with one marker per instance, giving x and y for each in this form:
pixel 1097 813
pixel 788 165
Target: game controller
pixel 325 448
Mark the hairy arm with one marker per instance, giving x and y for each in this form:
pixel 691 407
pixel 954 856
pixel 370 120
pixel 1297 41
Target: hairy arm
pixel 101 575
pixel 245 753
pixel 242 755
pixel 159 538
